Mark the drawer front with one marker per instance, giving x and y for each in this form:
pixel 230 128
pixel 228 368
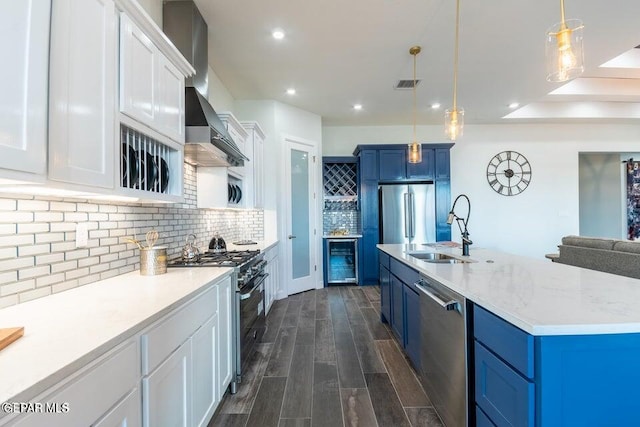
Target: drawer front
pixel 384 259
pixel 114 375
pixel 172 331
pixel 503 394
pixel 482 420
pixel 404 273
pixel 510 343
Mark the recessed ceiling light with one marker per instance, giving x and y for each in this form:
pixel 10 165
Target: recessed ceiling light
pixel 278 34
pixel 291 91
pixel 514 105
pixel 357 106
pixel 435 106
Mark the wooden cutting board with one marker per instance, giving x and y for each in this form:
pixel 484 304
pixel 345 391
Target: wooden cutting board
pixel 9 335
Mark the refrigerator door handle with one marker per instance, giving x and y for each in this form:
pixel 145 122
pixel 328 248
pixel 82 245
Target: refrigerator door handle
pixel 406 215
pixel 412 216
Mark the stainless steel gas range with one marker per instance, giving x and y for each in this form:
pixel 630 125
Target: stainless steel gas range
pixel 249 308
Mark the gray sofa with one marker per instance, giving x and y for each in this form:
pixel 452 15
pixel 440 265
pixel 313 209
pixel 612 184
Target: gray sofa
pixel 620 257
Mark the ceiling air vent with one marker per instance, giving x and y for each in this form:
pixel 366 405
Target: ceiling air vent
pixel 405 84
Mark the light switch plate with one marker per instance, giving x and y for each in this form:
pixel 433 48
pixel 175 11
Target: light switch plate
pixel 82 235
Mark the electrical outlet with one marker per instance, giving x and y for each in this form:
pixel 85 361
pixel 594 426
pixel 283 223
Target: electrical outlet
pixel 82 235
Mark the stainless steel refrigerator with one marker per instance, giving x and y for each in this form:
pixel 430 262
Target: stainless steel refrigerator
pixel 407 213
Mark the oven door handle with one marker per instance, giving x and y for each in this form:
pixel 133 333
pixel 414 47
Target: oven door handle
pixel 259 281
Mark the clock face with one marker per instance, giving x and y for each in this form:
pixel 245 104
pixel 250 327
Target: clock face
pixel 509 173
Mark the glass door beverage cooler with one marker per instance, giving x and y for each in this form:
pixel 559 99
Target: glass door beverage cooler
pixel 342 261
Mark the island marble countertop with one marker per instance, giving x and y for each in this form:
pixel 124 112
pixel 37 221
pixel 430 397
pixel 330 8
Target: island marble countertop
pixel 538 296
pixel 63 332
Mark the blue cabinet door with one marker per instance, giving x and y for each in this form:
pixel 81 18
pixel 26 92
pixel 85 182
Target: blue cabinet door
pixel 412 326
pixel 369 165
pixel 393 165
pixel 443 170
pixel 424 169
pixel 385 294
pixel 369 258
pixel 397 309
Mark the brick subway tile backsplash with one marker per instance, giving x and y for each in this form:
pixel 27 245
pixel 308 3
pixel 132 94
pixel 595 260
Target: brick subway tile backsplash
pixel 38 255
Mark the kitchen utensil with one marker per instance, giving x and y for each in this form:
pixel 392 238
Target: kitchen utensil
pixel 129 165
pixel 9 335
pixel 230 192
pixel 233 194
pixel 153 261
pixel 238 194
pixel 217 244
pixel 190 252
pixel 151 238
pixel 134 241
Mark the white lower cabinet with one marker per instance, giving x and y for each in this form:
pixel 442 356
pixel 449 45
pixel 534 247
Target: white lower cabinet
pixel 225 346
pixel 173 373
pixel 125 414
pixel 183 385
pixel 167 391
pixel 272 281
pixel 204 346
pixel 91 393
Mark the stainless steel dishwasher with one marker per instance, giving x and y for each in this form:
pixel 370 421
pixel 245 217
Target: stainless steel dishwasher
pixel 443 351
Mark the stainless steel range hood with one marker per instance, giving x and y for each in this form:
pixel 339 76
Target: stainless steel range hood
pixel 207 141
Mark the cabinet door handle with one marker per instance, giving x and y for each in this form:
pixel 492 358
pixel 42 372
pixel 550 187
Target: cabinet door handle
pixel 406 215
pixel 291 236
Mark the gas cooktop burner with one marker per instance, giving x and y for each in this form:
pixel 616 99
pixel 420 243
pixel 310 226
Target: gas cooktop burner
pixel 210 259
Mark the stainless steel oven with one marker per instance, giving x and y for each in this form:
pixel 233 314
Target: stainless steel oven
pixel 251 320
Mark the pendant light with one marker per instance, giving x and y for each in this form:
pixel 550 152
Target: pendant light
pixel 454 117
pixel 564 53
pixel 414 154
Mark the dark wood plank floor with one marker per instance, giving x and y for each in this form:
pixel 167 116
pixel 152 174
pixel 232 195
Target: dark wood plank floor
pixel 327 360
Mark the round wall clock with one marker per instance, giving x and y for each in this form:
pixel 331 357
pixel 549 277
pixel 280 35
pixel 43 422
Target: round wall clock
pixel 509 173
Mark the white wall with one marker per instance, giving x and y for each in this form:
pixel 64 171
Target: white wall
pixel 154 9
pixel 533 222
pixel 219 96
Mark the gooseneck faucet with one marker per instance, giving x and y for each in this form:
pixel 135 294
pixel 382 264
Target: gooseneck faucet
pixel 465 233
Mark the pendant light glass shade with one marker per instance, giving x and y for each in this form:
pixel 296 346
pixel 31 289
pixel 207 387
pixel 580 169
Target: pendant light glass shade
pixel 564 51
pixel 454 123
pixel 414 150
pixel 414 154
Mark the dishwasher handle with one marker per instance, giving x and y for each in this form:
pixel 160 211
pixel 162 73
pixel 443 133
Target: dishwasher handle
pixel 447 305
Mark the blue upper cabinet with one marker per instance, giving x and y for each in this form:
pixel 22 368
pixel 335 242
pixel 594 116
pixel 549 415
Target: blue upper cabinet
pixel 393 164
pixel 442 163
pixel 424 169
pixel 369 165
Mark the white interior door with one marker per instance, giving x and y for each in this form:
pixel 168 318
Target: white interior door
pixel 301 217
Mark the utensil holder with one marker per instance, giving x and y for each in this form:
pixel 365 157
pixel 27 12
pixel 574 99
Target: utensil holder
pixel 153 261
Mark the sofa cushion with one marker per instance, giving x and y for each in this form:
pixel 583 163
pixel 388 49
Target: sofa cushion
pixel 632 247
pixel 588 242
pixel 614 262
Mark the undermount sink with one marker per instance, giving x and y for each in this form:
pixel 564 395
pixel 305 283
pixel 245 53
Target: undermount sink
pixel 437 258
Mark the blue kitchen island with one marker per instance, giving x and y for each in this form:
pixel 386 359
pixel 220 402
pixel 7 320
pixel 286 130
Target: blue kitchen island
pixel 546 344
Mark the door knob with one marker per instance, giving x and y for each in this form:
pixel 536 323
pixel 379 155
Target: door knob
pixel 291 236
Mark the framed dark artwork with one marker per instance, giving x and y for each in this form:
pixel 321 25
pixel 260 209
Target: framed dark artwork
pixel 633 199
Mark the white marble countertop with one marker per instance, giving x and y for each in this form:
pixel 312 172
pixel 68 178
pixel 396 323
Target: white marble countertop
pixel 538 296
pixel 263 245
pixel 341 236
pixel 63 332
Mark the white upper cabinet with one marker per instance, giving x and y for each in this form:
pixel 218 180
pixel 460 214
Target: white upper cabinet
pixel 170 101
pixel 254 171
pixel 138 72
pixel 24 42
pixel 82 92
pixel 239 136
pixel 151 87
